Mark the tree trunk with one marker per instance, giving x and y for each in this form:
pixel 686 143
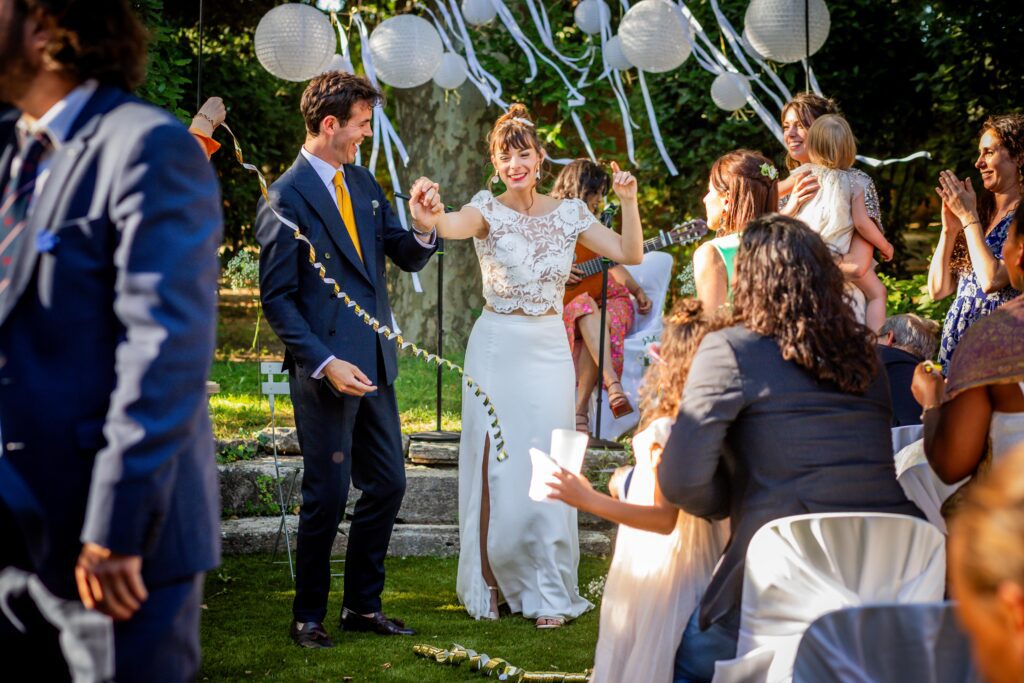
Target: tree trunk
pixel 447 142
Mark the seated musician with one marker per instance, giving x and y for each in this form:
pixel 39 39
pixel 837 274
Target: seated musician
pixel 583 179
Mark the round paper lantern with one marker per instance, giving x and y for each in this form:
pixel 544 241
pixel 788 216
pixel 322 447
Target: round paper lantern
pixel 294 42
pixel 590 15
pixel 452 72
pixel 729 91
pixel 654 36
pixel 477 12
pixel 614 56
pixel 406 51
pixel 338 63
pixel 775 28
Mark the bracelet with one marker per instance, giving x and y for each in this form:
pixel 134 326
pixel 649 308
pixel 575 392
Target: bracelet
pixel 201 115
pixel 421 233
pixel 974 222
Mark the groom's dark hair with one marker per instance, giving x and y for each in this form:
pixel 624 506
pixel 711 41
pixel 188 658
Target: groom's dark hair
pixel 334 94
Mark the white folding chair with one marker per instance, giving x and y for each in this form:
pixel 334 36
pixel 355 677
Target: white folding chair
pixel 886 644
pixel 654 275
pixel 271 387
pixel 919 481
pixel 798 568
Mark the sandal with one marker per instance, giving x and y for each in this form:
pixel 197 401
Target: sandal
pixel 550 622
pixel 493 614
pixel 583 423
pixel 618 401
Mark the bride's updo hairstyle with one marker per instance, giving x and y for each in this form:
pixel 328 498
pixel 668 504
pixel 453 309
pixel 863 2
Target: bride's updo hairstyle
pixel 514 130
pixel 749 179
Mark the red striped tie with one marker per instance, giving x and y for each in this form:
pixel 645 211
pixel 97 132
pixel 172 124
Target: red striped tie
pixel 14 206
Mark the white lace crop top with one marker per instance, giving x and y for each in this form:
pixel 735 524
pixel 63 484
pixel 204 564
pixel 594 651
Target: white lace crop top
pixel 525 260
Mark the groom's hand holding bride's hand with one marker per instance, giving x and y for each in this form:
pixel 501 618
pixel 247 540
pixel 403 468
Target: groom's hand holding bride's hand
pixel 624 184
pixel 570 488
pixel 425 203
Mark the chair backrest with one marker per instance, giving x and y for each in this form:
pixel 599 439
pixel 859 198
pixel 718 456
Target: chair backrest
pixel 798 568
pixel 919 481
pixel 886 644
pixel 272 384
pixel 654 275
pixel 905 435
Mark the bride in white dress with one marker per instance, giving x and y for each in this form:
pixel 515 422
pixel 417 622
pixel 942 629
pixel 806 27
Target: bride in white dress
pixel 512 547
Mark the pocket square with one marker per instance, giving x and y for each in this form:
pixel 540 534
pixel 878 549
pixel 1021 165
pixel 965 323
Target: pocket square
pixel 46 241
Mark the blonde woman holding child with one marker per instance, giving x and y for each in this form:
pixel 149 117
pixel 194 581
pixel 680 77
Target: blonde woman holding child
pixel 838 210
pixel 512 547
pixel 664 557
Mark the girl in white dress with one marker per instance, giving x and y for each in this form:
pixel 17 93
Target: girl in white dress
pixel 664 557
pixel 838 209
pixel 511 547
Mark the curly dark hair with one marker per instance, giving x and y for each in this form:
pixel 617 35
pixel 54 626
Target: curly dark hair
pixel 98 39
pixel 581 179
pixel 662 390
pixel 789 288
pixel 808 106
pixel 753 193
pixel 1009 128
pixel 334 94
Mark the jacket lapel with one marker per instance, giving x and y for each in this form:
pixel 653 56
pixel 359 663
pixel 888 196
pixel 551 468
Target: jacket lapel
pixel 313 190
pixel 366 219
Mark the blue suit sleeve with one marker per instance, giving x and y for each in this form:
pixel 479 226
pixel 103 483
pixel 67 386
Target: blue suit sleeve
pixel 692 474
pixel 165 207
pixel 401 245
pixel 280 260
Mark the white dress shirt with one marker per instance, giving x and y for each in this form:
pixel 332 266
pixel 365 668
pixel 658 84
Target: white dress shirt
pixel 326 173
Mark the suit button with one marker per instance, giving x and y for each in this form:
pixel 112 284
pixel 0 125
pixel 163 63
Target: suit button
pixel 14 445
pixel 327 255
pixel 331 333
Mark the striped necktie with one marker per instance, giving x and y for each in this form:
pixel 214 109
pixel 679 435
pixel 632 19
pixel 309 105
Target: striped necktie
pixel 348 216
pixel 14 205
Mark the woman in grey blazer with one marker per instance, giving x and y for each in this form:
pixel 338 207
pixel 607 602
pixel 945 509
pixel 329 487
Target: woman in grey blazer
pixel 786 412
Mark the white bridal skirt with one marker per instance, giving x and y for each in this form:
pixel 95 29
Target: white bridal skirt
pixel 523 364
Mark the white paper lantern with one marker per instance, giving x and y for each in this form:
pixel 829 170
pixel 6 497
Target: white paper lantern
pixel 590 15
pixel 614 56
pixel 294 42
pixel 406 51
pixel 654 36
pixel 452 71
pixel 477 12
pixel 730 90
pixel 776 29
pixel 338 63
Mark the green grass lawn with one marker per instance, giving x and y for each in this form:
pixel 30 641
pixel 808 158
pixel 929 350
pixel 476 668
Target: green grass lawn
pixel 248 606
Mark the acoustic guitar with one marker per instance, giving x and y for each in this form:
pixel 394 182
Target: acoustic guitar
pixel 590 263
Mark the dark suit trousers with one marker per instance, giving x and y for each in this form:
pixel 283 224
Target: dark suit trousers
pixel 345 438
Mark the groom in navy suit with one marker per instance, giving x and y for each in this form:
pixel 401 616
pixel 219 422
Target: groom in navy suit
pixel 109 228
pixel 340 370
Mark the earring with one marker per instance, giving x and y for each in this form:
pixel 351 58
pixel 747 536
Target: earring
pixel 538 173
pixel 494 179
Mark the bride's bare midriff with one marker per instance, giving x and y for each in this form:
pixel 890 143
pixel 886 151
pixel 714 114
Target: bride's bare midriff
pixel 519 311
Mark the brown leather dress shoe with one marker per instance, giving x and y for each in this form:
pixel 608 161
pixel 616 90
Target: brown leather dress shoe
pixel 310 634
pixel 376 623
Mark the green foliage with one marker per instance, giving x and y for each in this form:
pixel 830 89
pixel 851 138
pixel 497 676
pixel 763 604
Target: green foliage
pixel 237 450
pixel 910 295
pixel 167 72
pixel 243 271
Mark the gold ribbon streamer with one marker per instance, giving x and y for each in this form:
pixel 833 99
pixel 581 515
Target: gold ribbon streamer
pixel 380 329
pixel 495 666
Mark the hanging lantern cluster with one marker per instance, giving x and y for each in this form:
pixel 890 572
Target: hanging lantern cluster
pixel 406 51
pixel 729 91
pixel 655 36
pixel 614 55
pixel 781 29
pixel 478 12
pixel 591 15
pixel 452 71
pixel 294 42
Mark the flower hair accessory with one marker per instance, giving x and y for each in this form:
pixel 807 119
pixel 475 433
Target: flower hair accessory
pixel 525 122
pixel 769 171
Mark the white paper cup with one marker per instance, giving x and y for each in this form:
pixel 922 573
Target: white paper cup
pixel 568 447
pixel 544 469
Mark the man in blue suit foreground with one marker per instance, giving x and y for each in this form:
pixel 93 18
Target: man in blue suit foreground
pixel 109 228
pixel 340 370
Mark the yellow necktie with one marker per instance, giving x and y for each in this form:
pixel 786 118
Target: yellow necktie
pixel 348 216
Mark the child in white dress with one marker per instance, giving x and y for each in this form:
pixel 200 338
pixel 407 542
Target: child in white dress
pixel 838 208
pixel 664 557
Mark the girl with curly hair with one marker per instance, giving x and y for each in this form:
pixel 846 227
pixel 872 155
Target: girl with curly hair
pixel 784 412
pixel 663 556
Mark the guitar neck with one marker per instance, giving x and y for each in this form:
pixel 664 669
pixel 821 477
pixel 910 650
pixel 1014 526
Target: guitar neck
pixel 593 266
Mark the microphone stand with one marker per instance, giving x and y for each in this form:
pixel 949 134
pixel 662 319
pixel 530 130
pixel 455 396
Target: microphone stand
pixel 597 441
pixel 438 435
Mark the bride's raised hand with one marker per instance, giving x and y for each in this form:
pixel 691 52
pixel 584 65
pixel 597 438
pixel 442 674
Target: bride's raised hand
pixel 624 184
pixel 425 203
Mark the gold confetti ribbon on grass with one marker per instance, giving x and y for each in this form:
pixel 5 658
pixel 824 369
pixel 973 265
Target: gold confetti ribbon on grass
pixel 495 666
pixel 380 329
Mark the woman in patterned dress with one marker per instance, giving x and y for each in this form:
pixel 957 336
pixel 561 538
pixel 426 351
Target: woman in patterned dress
pixel 968 258
pixel 511 546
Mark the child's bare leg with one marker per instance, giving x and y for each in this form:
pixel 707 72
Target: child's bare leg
pixel 875 293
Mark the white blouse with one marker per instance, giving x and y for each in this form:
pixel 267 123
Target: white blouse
pixel 525 260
